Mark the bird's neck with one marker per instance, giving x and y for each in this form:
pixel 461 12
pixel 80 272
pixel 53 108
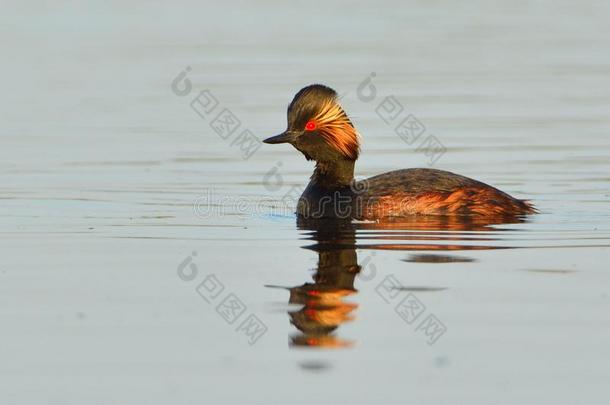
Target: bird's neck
pixel 334 174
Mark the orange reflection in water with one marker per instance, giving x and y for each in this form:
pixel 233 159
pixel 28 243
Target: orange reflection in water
pixel 324 308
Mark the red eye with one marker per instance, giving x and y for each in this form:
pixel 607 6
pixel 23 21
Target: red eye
pixel 310 126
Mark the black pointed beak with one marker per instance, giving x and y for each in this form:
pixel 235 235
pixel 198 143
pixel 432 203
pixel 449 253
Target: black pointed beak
pixel 284 137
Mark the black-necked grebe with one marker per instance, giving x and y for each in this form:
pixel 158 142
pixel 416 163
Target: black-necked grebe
pixel 320 129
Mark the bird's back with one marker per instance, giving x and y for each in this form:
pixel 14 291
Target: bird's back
pixel 433 192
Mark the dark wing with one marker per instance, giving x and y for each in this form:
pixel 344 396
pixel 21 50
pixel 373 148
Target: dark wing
pixel 435 192
pixel 417 181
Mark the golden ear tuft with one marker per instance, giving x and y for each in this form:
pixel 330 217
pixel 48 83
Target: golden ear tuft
pixel 335 127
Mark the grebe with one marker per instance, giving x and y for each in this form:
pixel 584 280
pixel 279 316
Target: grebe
pixel 319 128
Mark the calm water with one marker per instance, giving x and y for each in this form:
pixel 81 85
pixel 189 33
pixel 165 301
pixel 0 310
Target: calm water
pixel 144 260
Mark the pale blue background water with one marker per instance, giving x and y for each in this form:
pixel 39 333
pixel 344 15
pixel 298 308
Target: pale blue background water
pixel 100 165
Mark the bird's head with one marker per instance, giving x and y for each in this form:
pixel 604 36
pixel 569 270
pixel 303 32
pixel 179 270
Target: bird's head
pixel 318 127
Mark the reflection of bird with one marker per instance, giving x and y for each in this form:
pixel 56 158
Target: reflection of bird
pixel 320 129
pixel 323 307
pixel 323 302
pixel 322 313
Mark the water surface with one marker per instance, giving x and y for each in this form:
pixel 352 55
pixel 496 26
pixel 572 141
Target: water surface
pixel 126 221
